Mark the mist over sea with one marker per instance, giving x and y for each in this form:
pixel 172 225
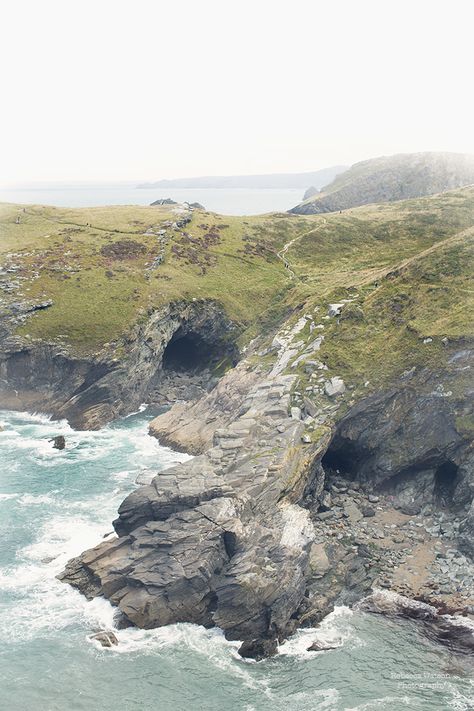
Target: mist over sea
pixel 226 201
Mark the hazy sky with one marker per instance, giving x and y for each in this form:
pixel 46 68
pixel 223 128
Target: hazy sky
pixel 145 89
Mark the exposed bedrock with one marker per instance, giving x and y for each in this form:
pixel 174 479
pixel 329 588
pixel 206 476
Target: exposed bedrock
pixel 219 539
pixel 411 441
pixel 181 340
pixel 237 537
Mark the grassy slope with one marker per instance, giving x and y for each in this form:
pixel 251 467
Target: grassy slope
pixel 408 265
pixel 97 297
pixel 408 268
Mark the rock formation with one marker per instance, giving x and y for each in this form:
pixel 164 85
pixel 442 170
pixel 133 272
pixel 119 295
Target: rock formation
pixel 392 178
pixel 92 391
pixel 241 535
pixel 319 369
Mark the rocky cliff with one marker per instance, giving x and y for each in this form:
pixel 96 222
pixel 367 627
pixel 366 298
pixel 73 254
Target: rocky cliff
pixel 275 521
pixel 92 391
pixel 392 178
pixel 319 369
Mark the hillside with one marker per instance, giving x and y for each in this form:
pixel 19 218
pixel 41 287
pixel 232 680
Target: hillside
pixel 318 367
pixel 389 179
pixel 302 181
pixel 103 268
pixel 89 280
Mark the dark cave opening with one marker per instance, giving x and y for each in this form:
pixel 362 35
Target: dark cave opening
pixel 189 353
pixel 446 479
pixel 343 457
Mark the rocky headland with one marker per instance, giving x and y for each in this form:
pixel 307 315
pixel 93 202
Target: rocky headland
pixel 318 369
pixel 390 178
pixel 287 510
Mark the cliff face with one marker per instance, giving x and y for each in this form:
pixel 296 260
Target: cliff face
pixel 399 177
pixel 326 365
pixel 92 391
pixel 257 534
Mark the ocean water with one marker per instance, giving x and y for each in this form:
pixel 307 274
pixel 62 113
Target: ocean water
pixel 226 201
pixel 53 504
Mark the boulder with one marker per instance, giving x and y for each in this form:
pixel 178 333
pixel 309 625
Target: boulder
pixel 334 387
pixel 352 512
pixel 318 560
pixel 105 638
pixel 59 442
pixel 335 309
pixel 325 501
pixel 410 509
pixel 320 646
pixel 258 649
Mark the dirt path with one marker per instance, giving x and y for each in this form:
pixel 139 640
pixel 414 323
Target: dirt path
pixel 282 253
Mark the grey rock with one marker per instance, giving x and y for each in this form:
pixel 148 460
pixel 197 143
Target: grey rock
pixel 325 501
pixel 410 509
pixel 335 309
pixel 320 646
pixel 105 638
pixel 59 442
pixel 258 649
pixel 334 387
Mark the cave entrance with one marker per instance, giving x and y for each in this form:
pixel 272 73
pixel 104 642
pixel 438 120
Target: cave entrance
pixel 343 458
pixel 188 353
pixel 446 479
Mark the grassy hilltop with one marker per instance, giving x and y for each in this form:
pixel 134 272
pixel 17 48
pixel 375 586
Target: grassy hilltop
pixel 407 267
pixel 97 265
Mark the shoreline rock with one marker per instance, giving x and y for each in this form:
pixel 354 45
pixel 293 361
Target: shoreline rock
pixel 260 533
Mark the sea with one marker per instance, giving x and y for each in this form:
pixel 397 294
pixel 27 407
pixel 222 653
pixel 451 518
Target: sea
pixel 54 504
pixel 226 201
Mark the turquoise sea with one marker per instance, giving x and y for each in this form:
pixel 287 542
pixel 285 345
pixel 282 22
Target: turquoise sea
pixel 54 504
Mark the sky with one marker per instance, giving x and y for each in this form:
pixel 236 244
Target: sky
pixel 144 89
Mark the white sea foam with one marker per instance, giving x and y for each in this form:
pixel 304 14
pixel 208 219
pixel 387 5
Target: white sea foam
pixel 141 409
pixel 387 702
pixel 6 497
pixel 31 500
pixel 42 603
pixel 459 701
pixel 335 631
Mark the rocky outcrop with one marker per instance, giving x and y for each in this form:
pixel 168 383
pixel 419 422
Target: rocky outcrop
pixel 163 201
pixel 59 442
pixel 219 539
pixel 191 428
pixel 457 633
pixel 274 521
pixel 92 391
pixel 408 441
pixel 391 178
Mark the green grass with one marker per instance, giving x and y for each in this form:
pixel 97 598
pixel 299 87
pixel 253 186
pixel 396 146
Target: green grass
pixel 97 298
pixel 408 265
